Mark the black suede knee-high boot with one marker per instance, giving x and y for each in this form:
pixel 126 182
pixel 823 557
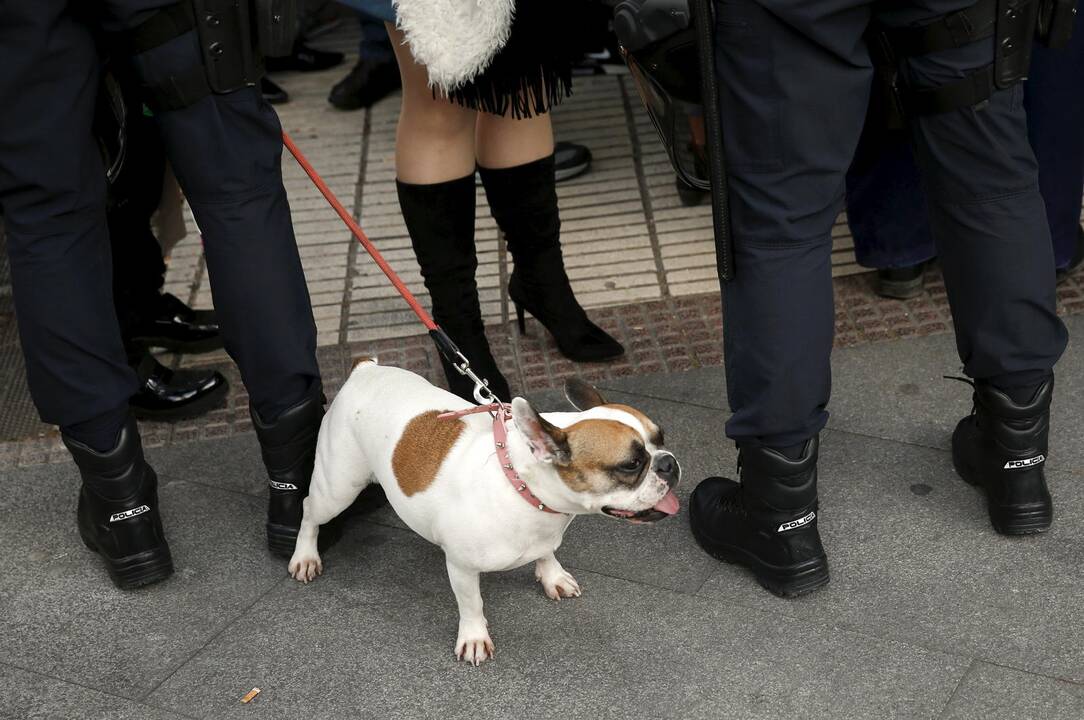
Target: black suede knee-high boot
pixel 523 200
pixel 440 220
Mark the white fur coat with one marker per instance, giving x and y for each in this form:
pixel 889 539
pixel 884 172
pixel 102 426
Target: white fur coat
pixel 455 39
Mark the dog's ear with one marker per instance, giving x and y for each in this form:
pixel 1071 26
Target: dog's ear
pixel 582 395
pixel 548 442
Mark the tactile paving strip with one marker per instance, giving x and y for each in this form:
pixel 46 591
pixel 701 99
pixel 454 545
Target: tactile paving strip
pixel 18 418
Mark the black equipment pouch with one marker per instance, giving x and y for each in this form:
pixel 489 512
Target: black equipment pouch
pixel 230 56
pixel 1010 24
pixel 1056 19
pixel 276 26
pixel 1016 23
pixel 226 33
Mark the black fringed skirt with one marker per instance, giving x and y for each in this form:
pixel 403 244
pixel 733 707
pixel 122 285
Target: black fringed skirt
pixel 533 71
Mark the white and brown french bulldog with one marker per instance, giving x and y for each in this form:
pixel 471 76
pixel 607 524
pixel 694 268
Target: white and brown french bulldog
pixel 489 504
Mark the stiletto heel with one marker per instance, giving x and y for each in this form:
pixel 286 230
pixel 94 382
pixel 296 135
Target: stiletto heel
pixel 524 204
pixel 520 319
pixel 554 305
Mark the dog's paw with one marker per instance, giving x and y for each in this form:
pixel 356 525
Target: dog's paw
pixel 557 582
pixel 473 645
pixel 305 567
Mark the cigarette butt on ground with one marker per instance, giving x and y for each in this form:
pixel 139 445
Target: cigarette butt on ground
pixel 250 694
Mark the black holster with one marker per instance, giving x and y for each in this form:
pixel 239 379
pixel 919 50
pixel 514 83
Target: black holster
pixel 234 36
pixel 227 44
pixel 276 26
pixel 1056 22
pixel 1017 21
pixel 1012 26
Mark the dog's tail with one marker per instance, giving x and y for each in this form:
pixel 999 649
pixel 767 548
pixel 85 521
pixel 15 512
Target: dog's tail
pixel 362 360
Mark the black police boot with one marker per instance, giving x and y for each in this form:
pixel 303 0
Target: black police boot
pixel 767 522
pixel 173 325
pixel 1001 447
pixel 170 395
pixel 118 511
pixel 289 452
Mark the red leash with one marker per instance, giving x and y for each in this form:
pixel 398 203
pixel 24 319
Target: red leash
pixel 358 232
pixel 447 348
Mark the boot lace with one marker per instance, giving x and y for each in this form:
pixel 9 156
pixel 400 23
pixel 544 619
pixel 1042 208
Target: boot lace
pixel 733 502
pixel 965 381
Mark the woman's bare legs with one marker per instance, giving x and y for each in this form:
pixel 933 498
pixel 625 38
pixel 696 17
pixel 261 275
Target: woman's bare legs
pixel 503 142
pixel 435 138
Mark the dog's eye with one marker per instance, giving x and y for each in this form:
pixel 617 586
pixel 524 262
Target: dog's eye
pixel 632 466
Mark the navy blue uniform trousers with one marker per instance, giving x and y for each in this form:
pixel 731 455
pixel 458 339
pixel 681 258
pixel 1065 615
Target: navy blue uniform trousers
pixel 886 207
pixel 225 151
pixel 795 79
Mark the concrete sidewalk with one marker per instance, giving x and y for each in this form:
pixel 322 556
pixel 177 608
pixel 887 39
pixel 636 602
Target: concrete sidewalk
pixel 930 614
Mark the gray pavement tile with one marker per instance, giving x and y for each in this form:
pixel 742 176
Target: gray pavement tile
pixel 60 614
pixel 373 637
pixel 990 691
pixel 705 387
pixel 913 558
pixel 896 390
pixel 29 696
pixel 232 463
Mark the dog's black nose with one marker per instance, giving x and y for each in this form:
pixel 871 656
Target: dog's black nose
pixel 667 468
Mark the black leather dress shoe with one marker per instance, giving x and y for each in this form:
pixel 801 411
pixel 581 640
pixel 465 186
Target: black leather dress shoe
pixel 900 283
pixel 570 160
pixel 178 328
pixel 304 59
pixel 118 511
pixel 367 83
pixel 170 395
pixel 273 92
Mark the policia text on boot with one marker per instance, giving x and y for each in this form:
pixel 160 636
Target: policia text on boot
pixel 794 80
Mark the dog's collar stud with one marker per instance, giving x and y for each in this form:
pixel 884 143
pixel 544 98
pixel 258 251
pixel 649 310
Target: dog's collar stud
pixel 501 415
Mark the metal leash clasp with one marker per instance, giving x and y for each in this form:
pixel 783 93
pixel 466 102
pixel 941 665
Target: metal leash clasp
pixel 482 394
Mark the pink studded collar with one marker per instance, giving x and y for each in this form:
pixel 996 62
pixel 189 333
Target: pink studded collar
pixel 501 415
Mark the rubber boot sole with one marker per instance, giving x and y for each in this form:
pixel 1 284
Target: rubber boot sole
pixel 785 581
pixel 133 571
pixel 1030 519
pixel 281 540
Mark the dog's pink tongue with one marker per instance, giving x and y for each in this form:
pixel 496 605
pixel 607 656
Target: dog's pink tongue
pixel 669 504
